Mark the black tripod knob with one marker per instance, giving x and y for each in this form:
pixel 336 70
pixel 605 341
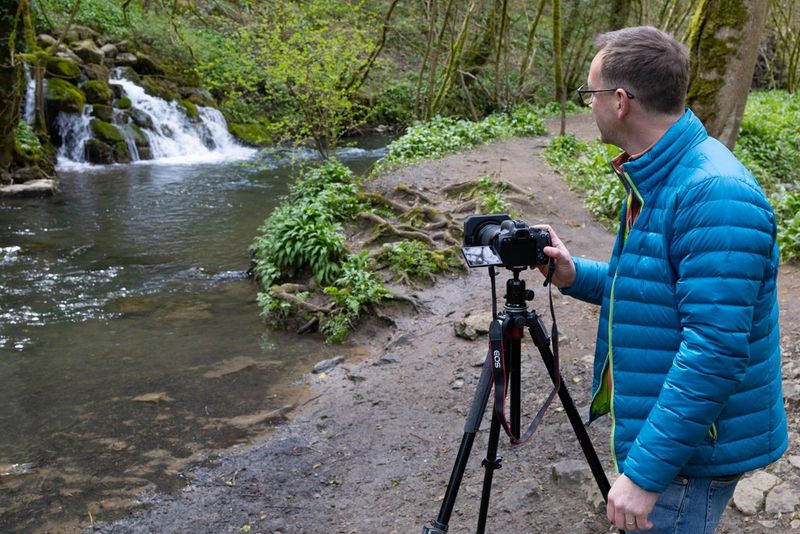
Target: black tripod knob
pixel 529 294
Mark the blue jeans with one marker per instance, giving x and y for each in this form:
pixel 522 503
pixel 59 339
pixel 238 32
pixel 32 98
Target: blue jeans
pixel 691 506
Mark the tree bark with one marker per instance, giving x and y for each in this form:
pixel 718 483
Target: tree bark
pixel 723 38
pixel 11 82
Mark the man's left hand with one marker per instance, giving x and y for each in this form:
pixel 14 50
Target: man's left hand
pixel 629 505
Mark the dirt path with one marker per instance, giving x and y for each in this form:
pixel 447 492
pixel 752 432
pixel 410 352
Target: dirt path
pixel 372 451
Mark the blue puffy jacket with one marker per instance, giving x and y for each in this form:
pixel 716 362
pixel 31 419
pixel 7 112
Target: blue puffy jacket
pixel 688 355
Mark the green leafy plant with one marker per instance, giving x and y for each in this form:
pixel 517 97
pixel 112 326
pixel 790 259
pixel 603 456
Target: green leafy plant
pixel 414 260
pixel 305 232
pixel 357 289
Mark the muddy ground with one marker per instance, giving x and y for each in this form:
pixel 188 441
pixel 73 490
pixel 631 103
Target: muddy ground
pixel 373 447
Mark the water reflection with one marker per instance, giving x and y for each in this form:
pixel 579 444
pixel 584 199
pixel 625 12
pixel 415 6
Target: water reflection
pixel 130 341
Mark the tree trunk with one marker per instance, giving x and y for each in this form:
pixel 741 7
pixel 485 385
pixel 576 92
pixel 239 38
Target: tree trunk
pixel 11 83
pixel 723 38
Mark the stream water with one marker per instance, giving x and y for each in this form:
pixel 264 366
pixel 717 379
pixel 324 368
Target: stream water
pixel 130 340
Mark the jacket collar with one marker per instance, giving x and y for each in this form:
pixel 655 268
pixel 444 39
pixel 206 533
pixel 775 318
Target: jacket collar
pixel 648 170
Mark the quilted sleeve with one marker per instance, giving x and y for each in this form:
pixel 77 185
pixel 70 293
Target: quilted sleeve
pixel 589 281
pixel 720 249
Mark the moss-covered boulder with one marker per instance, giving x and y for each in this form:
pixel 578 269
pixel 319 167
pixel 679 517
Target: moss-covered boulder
pixel 146 65
pixel 96 72
pixel 98 152
pixel 123 103
pixel 103 112
pixel 61 95
pixel 141 118
pixel 140 140
pixel 160 87
pixel 129 74
pixel 97 92
pixel 88 51
pixel 252 134
pixel 197 95
pixel 106 132
pixel 62 68
pixel 190 109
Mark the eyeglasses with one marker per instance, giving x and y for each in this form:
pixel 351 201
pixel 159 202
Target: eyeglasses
pixel 587 95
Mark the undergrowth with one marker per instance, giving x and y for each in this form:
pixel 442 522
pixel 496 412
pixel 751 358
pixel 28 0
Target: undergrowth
pixel 446 135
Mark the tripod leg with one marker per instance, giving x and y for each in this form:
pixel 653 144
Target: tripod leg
pixel 515 359
pixel 473 423
pixel 490 463
pixel 541 341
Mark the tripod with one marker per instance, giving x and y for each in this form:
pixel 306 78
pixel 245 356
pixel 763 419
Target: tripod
pixel 509 325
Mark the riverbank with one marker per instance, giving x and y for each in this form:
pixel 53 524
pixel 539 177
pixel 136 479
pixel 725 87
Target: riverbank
pixel 373 447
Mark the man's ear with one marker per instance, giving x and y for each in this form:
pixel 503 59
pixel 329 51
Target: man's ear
pixel 623 103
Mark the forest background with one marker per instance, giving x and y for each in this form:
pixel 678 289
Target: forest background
pixel 448 73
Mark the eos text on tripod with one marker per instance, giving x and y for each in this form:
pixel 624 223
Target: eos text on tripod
pixel 498 240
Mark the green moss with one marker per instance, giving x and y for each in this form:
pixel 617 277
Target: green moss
pixel 103 112
pixel 64 95
pixel 252 134
pixel 63 68
pixel 124 103
pixel 97 92
pixel 106 132
pixel 191 109
pixel 157 86
pixel 712 39
pixel 27 144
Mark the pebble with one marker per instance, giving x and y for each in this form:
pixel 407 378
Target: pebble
pixel 324 365
pixel 751 492
pixel 783 499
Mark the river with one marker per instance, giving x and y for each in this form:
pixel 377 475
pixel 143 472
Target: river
pixel 130 340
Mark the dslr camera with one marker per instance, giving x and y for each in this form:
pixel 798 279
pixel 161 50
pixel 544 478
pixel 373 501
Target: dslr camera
pixel 499 240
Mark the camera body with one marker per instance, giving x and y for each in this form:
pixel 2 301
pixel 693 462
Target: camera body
pixel 511 243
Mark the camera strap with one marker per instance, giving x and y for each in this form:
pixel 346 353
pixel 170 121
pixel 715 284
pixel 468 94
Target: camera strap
pixel 500 376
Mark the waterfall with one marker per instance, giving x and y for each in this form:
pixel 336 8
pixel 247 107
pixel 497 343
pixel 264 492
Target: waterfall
pixel 30 96
pixel 74 131
pixel 171 136
pixel 175 137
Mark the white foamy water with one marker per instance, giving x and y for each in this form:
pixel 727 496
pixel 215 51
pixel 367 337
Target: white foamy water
pixel 174 138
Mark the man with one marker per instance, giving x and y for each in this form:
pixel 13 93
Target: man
pixel 687 361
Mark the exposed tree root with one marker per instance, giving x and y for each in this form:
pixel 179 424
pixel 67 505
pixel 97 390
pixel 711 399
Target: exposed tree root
pixel 395 230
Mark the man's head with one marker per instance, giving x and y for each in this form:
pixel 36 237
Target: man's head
pixel 648 63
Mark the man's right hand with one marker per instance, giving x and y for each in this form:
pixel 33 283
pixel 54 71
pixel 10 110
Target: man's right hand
pixel 565 273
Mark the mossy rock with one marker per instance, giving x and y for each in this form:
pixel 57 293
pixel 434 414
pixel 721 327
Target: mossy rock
pixel 97 92
pixel 197 96
pixel 98 152
pixel 103 112
pixel 63 96
pixel 190 109
pixel 122 154
pixel 123 103
pixel 106 132
pixel 160 87
pixel 63 68
pixel 252 134
pixel 129 74
pixel 147 65
pixel 141 118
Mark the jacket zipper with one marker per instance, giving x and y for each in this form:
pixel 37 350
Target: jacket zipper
pixel 605 392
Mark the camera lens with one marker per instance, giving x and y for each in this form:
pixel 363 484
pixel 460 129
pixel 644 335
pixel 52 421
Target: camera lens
pixel 488 233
